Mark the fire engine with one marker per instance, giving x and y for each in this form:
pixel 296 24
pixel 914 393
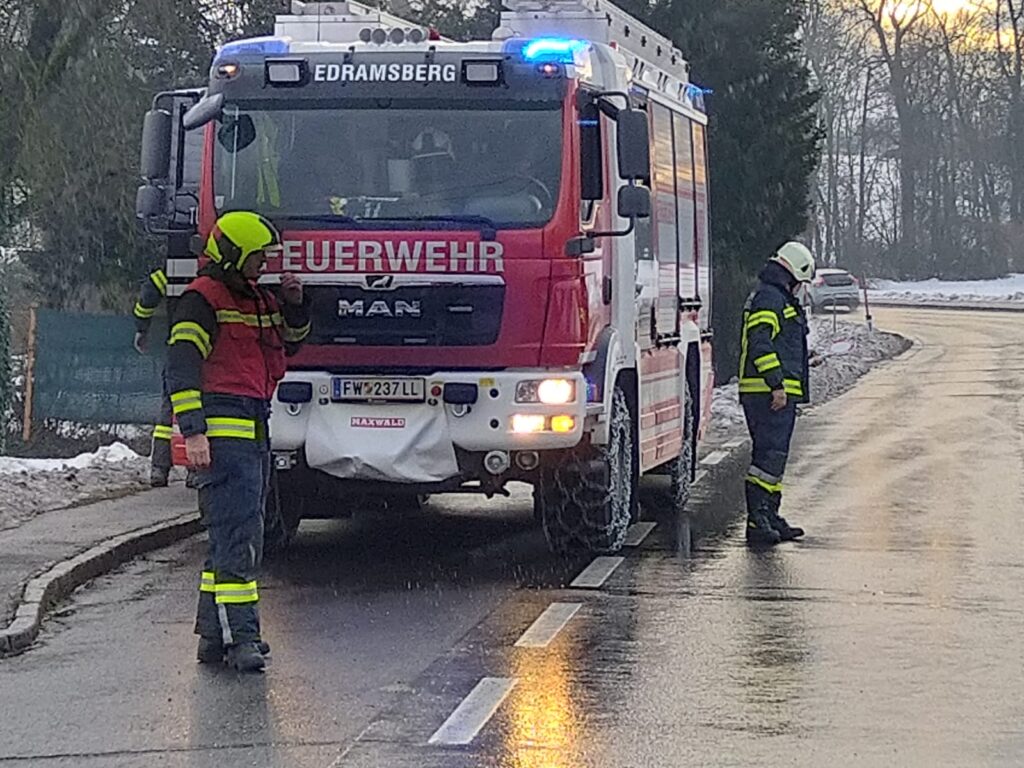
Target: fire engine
pixel 504 244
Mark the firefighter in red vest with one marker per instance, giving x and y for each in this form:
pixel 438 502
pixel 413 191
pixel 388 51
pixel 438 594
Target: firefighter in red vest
pixel 229 338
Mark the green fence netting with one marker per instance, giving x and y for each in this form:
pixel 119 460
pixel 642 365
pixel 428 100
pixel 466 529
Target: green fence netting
pixel 87 371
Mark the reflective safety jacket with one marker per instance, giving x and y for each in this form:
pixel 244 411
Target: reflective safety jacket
pixel 153 291
pixel 773 352
pixel 227 353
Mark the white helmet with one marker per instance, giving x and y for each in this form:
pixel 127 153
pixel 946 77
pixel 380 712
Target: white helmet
pixel 432 143
pixel 797 259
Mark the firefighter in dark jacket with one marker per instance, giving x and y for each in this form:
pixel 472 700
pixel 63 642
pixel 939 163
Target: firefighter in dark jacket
pixel 228 343
pixel 774 365
pixel 153 292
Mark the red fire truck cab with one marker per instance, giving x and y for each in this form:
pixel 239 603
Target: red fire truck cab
pixel 504 244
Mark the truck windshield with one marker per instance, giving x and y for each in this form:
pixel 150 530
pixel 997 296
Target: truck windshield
pixel 371 166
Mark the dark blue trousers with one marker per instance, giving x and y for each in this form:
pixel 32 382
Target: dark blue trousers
pixel 232 494
pixel 771 433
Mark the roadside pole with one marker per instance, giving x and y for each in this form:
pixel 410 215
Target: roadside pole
pixel 30 371
pixel 867 305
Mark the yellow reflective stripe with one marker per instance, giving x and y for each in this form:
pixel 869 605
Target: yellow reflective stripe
pixel 237 592
pixel 228 316
pixel 758 386
pixel 749 386
pixel 296 334
pixel 764 317
pixel 767 362
pixel 160 281
pixel 192 332
pixel 789 313
pixel 162 432
pixel 223 426
pixel 185 394
pixel 144 312
pixel 770 487
pixel 186 400
pixel 793 387
pixel 207 582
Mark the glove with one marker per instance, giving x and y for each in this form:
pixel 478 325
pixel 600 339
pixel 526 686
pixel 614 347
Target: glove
pixel 140 342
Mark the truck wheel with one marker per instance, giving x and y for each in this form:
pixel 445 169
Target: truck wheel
pixel 586 500
pixel 682 468
pixel 281 516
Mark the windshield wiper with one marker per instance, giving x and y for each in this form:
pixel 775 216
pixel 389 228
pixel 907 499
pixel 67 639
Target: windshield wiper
pixel 488 228
pixel 322 218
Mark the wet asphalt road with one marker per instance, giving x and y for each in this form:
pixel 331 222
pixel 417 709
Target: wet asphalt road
pixel 890 636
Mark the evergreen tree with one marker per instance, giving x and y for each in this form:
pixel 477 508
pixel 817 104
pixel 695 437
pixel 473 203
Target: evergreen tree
pixel 764 139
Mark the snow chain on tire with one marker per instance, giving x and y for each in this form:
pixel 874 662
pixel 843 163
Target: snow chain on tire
pixel 682 468
pixel 586 510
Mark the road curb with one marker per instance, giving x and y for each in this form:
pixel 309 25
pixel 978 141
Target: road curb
pixel 63 578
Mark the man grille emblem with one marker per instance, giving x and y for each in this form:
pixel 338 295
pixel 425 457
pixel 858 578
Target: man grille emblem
pixel 380 282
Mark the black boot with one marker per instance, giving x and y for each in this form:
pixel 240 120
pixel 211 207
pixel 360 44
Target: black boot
pixel 245 657
pixel 159 476
pixel 211 651
pixel 786 531
pixel 760 533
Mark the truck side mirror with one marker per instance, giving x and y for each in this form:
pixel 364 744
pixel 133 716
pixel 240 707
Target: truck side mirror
pixel 155 159
pixel 149 202
pixel 207 109
pixel 634 202
pixel 634 150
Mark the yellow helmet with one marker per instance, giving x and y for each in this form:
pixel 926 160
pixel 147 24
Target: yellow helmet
pixel 237 235
pixel 797 259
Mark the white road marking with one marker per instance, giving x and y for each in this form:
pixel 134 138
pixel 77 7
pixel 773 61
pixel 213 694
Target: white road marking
pixel 700 475
pixel 548 625
pixel 714 458
pixel 739 443
pixel 595 574
pixel 637 533
pixel 476 709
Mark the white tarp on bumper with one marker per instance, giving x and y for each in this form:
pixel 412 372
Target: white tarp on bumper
pixel 404 444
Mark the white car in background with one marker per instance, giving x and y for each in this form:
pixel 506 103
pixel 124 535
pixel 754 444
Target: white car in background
pixel 833 288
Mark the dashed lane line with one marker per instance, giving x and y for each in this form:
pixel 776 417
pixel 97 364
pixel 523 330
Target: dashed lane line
pixel 548 625
pixel 595 574
pixel 637 533
pixel 474 711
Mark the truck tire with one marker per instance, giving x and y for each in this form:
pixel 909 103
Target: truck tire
pixel 682 470
pixel 281 516
pixel 587 498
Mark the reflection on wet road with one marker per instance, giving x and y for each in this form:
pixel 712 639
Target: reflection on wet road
pixel 890 636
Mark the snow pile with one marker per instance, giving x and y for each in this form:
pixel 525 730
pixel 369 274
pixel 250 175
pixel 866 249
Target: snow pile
pixel 1010 288
pixel 31 486
pixel 118 452
pixel 834 376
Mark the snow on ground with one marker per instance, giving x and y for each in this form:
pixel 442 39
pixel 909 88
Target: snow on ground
pixel 31 486
pixel 1010 288
pixel 116 453
pixel 833 377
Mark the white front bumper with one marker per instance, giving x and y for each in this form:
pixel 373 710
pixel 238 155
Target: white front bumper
pixel 415 443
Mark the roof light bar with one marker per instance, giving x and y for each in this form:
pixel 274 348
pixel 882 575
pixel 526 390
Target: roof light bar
pixel 256 46
pixel 557 50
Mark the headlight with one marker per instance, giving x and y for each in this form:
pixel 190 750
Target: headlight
pixel 546 391
pixel 524 423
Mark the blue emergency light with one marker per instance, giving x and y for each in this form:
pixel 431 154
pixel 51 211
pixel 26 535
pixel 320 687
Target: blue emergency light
pixel 552 49
pixel 254 46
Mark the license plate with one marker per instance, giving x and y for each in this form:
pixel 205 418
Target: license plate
pixel 363 389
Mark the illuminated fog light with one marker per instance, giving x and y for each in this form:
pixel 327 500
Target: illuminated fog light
pixel 563 423
pixel 527 423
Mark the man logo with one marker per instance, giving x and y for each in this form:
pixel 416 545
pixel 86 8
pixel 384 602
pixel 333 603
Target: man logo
pixel 380 282
pixel 379 308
